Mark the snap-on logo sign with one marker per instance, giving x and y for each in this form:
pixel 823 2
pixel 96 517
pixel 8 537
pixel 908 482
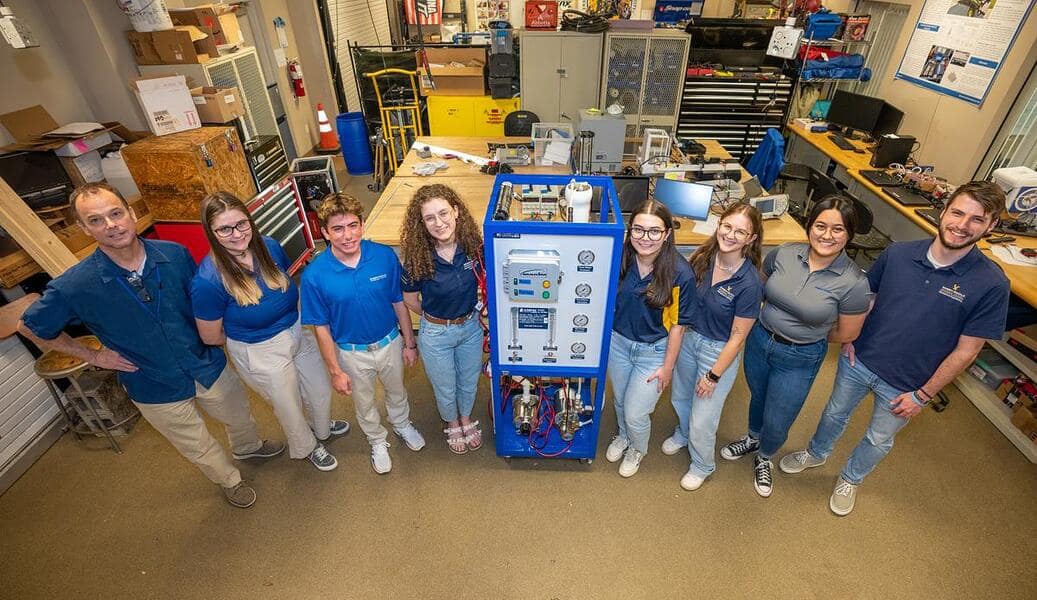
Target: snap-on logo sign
pixel 534 273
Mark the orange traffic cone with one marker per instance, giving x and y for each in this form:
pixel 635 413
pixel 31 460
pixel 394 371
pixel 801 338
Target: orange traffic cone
pixel 328 139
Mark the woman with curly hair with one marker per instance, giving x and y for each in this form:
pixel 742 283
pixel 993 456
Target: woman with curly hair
pixel 442 255
pixel 654 304
pixel 730 288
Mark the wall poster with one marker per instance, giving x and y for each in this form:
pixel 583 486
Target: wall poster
pixel 958 46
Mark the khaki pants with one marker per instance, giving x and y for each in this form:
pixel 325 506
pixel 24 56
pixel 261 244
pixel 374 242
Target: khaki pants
pixel 287 372
pixel 386 365
pixel 182 424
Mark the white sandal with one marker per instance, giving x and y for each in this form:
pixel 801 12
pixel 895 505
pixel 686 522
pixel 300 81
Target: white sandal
pixel 455 441
pixel 472 434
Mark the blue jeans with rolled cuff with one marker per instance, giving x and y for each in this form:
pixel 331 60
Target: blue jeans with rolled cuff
pixel 452 355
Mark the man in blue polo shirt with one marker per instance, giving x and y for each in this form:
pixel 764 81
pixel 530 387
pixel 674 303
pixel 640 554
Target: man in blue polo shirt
pixel 935 305
pixel 133 295
pixel 351 295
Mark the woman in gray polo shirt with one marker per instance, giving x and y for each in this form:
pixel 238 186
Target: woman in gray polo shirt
pixel 814 295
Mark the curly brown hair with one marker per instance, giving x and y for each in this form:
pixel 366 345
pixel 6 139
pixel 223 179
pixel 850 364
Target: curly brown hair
pixel 338 203
pixel 417 245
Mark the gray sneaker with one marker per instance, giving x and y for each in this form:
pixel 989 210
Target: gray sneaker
pixel 322 459
pixel 800 461
pixel 241 495
pixel 268 449
pixel 843 497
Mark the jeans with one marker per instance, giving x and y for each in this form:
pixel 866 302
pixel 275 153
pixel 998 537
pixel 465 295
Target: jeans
pixel 698 354
pixel 630 365
pixel 452 355
pixel 779 377
pixel 851 385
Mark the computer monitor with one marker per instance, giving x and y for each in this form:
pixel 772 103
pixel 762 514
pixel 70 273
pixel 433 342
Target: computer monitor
pixel 888 121
pixel 684 199
pixel 854 111
pixel 630 191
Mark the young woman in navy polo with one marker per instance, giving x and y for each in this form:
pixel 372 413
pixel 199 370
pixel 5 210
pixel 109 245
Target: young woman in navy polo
pixel 242 296
pixel 727 271
pixel 442 251
pixel 654 304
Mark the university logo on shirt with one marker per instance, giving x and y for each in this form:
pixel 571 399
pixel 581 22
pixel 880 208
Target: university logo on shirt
pixel 953 292
pixel 727 292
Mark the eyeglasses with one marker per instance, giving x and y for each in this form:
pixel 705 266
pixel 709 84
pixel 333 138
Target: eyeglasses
pixel 727 229
pixel 821 229
pixel 654 234
pixel 137 284
pixel 242 226
pixel 443 215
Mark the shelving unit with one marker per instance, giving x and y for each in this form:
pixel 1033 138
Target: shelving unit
pixel 983 398
pixel 830 83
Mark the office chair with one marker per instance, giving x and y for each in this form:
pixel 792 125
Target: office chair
pixel 520 123
pixel 867 239
pixel 804 184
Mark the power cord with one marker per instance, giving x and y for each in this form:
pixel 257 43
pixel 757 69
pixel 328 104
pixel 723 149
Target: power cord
pixel 574 20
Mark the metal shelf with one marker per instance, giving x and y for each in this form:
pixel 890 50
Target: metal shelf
pixel 833 42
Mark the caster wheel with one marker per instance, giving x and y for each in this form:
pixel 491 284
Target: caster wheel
pixel 587 461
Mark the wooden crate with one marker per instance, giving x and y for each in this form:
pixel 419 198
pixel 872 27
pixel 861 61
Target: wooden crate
pixel 174 172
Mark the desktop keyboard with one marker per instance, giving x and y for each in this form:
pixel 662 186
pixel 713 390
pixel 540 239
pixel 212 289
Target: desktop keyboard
pixel 841 142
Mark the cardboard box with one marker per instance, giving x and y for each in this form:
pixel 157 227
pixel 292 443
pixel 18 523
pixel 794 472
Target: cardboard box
pixel 1026 421
pixel 85 168
pixel 217 105
pixel 179 46
pixel 33 127
pixel 451 79
pixel 216 20
pixel 167 104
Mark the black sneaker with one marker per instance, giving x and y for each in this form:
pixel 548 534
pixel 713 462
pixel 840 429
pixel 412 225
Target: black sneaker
pixel 739 448
pixel 762 476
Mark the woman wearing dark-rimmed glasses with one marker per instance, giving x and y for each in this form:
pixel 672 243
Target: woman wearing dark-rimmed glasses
pixel 814 294
pixel 242 296
pixel 654 303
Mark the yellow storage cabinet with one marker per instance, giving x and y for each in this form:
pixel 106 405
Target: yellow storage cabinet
pixel 468 115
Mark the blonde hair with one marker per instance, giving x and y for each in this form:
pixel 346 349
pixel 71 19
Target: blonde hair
pixel 239 281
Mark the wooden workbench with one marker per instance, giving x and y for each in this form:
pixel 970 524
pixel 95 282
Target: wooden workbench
pixel 470 145
pixel 1023 279
pixel 383 224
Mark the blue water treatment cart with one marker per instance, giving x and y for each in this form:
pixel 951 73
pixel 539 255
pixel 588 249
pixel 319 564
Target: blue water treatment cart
pixel 551 289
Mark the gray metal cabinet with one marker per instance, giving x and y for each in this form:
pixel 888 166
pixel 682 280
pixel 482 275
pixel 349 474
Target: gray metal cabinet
pixel 560 73
pixel 644 73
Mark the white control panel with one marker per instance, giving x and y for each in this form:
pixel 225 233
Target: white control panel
pixel 553 300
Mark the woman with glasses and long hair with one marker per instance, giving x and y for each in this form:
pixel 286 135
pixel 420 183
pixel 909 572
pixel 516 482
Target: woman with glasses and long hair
pixel 442 263
pixel 727 272
pixel 242 296
pixel 814 294
pixel 654 304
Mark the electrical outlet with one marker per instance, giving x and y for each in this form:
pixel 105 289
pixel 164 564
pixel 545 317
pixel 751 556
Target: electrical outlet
pixel 784 42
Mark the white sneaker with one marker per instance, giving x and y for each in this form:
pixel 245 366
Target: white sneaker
pixel 672 445
pixel 692 481
pixel 631 462
pixel 616 449
pixel 411 437
pixel 380 461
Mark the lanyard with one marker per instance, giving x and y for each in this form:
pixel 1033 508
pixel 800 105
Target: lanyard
pixel 157 299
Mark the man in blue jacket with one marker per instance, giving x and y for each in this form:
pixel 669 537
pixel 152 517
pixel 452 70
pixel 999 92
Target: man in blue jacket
pixel 133 294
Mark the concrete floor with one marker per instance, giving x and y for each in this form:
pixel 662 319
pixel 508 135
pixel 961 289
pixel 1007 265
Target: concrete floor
pixel 948 515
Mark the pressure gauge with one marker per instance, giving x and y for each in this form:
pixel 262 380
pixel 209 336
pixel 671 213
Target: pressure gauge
pixel 578 348
pixel 583 290
pixel 581 320
pixel 585 257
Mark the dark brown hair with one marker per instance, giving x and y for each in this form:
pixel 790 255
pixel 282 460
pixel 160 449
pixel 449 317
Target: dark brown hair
pixel 659 293
pixel 988 194
pixel 839 203
pixel 417 245
pixel 238 280
pixel 702 259
pixel 92 189
pixel 339 203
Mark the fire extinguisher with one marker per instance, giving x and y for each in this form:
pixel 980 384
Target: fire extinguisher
pixel 295 76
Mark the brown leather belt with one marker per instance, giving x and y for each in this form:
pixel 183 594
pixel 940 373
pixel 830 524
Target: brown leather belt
pixel 438 321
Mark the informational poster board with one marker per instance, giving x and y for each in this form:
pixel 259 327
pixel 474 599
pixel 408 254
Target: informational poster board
pixel 958 46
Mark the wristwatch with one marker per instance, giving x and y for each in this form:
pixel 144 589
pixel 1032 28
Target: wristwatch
pixel 710 375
